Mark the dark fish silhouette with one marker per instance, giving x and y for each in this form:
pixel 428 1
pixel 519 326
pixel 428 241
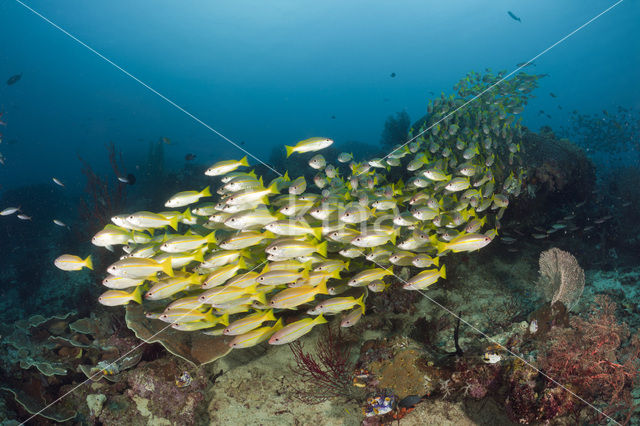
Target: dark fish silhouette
pixel 333 117
pixel 393 74
pixel 514 16
pixel 130 179
pixel 14 79
pixel 189 157
pixel 552 95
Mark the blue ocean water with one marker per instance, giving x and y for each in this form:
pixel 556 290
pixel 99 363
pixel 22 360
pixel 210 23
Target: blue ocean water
pixel 274 74
pixel 266 74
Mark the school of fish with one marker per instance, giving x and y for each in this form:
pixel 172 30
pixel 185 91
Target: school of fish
pixel 233 264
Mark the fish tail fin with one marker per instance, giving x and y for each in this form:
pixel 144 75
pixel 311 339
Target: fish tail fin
pixel 443 272
pixel 394 235
pixel 173 222
pixel 436 260
pixel 322 249
pixel 187 214
pixel 224 320
pixel 289 150
pixel 211 238
pixel 320 319
pixel 273 188
pixel 209 316
pixel 166 267
pixel 244 161
pixel 88 262
pixel 241 263
pixel 439 245
pixel 136 295
pixel 286 176
pixel 206 192
pixel 335 274
pixel 268 234
pixel 260 297
pixel 199 256
pixel 307 265
pixel 360 302
pixel 317 232
pixel 278 325
pixel 196 279
pixel 322 287
pixel 270 316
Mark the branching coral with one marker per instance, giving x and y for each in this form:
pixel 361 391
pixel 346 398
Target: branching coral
pixel 329 373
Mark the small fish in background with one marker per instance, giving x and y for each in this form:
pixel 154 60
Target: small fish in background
pixel 2 158
pixel 130 179
pixel 71 262
pixel 552 95
pixel 189 157
pixel 9 210
pixel 61 223
pixel 393 75
pixel 345 157
pixel 525 64
pixel 57 181
pixel 515 18
pixel 23 216
pixel 14 79
pixel 333 117
pixel 166 140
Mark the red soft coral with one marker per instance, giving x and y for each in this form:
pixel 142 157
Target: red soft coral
pixel 589 358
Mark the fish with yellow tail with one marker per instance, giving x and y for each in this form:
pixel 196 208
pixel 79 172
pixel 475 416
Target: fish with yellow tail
pixel 425 278
pixel 292 297
pixel 256 336
pixel 185 198
pixel 184 243
pixel 465 242
pixel 138 267
pixel 295 330
pixel 120 297
pixel 337 304
pixel 309 145
pixel 70 262
pixel 248 323
pixel 151 220
pixel 290 248
pixel 223 167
